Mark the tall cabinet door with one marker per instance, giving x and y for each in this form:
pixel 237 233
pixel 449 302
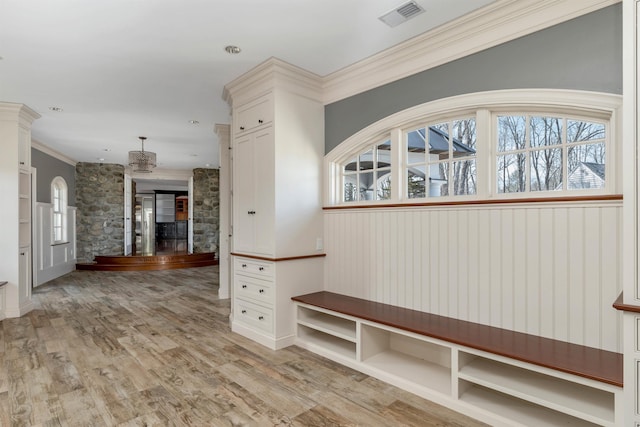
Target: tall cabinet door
pixel 253 193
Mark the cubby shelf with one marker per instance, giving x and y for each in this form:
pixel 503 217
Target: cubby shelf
pixel 565 396
pixel 332 325
pixel 342 347
pixel 519 411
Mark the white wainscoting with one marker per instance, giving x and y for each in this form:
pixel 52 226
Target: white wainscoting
pixel 52 261
pixel 550 269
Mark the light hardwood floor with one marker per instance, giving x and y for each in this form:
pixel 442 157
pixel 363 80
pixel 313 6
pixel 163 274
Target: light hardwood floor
pixel 155 349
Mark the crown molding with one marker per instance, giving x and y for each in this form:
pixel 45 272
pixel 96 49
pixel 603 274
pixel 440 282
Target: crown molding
pixel 272 73
pixel 499 22
pixel 51 152
pixel 19 112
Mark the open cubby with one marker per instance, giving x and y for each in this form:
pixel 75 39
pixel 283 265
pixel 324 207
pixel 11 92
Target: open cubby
pixel 517 410
pixel 326 341
pixel 578 400
pixel 327 323
pixel 422 362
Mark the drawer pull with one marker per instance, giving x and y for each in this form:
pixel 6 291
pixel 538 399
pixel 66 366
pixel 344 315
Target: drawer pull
pixel 260 121
pixel 244 265
pixel 244 286
pixel 241 127
pixel 261 291
pixel 244 312
pixel 261 268
pixel 260 317
pixel 251 212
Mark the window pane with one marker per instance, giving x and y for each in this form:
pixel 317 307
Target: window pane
pixel 511 133
pixel 439 142
pixel 438 180
pixel 586 166
pixel 584 131
pixel 416 186
pixel 57 234
pixel 350 188
pixel 366 160
pixel 416 146
pixel 367 186
pixel 464 177
pixel 384 154
pixel 351 165
pixel 384 186
pixel 546 170
pixel 464 137
pixel 511 173
pixel 546 131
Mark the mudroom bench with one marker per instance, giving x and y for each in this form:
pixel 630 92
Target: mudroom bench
pixel 499 376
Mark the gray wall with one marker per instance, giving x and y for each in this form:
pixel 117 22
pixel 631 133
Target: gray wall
pixel 48 168
pixel 584 54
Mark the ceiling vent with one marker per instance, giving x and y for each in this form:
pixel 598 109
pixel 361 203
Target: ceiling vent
pixel 402 13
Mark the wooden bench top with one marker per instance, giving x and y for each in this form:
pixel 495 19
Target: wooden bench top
pixel 587 362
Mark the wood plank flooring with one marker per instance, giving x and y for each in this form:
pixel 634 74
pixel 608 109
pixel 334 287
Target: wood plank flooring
pixel 155 349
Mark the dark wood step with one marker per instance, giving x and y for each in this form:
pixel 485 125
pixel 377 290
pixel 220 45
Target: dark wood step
pixel 149 262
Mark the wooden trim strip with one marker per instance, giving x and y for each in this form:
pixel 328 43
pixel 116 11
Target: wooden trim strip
pixel 290 258
pixel 563 199
pixel 586 362
pixel 619 305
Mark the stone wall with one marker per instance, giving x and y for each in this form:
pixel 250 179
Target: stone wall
pixel 100 204
pixel 206 210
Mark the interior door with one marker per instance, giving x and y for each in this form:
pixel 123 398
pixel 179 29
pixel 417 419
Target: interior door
pixel 127 214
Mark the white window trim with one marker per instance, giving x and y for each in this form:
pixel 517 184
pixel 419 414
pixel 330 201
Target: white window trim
pixel 59 182
pixel 598 105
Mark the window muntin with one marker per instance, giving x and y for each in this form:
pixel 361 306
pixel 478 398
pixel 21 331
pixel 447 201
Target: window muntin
pixel 367 175
pixel 59 210
pixel 536 153
pixel 440 159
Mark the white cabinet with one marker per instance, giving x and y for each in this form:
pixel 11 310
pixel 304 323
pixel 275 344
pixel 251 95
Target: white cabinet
pixel 253 114
pixel 254 196
pixel 277 152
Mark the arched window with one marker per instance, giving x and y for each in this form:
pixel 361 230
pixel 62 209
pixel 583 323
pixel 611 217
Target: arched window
pixel 59 210
pixel 490 145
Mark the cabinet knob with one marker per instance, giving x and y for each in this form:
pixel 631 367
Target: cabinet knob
pixel 244 311
pixel 22 163
pixel 260 121
pixel 260 317
pixel 244 286
pixel 261 291
pixel 244 265
pixel 251 212
pixel 261 268
pixel 241 127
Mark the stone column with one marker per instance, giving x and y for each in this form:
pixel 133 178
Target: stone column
pixel 100 210
pixel 206 210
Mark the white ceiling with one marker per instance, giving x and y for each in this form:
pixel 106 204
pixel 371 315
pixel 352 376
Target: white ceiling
pixel 125 68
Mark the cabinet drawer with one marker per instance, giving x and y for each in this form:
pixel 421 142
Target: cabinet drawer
pixel 257 289
pixel 259 268
pixel 254 114
pixel 254 315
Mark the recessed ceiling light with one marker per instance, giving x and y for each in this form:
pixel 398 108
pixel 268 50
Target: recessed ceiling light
pixel 56 109
pixel 194 122
pixel 233 50
pixel 106 149
pixel 207 164
pixel 101 159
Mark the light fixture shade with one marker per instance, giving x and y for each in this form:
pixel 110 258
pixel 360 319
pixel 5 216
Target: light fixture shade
pixel 142 161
